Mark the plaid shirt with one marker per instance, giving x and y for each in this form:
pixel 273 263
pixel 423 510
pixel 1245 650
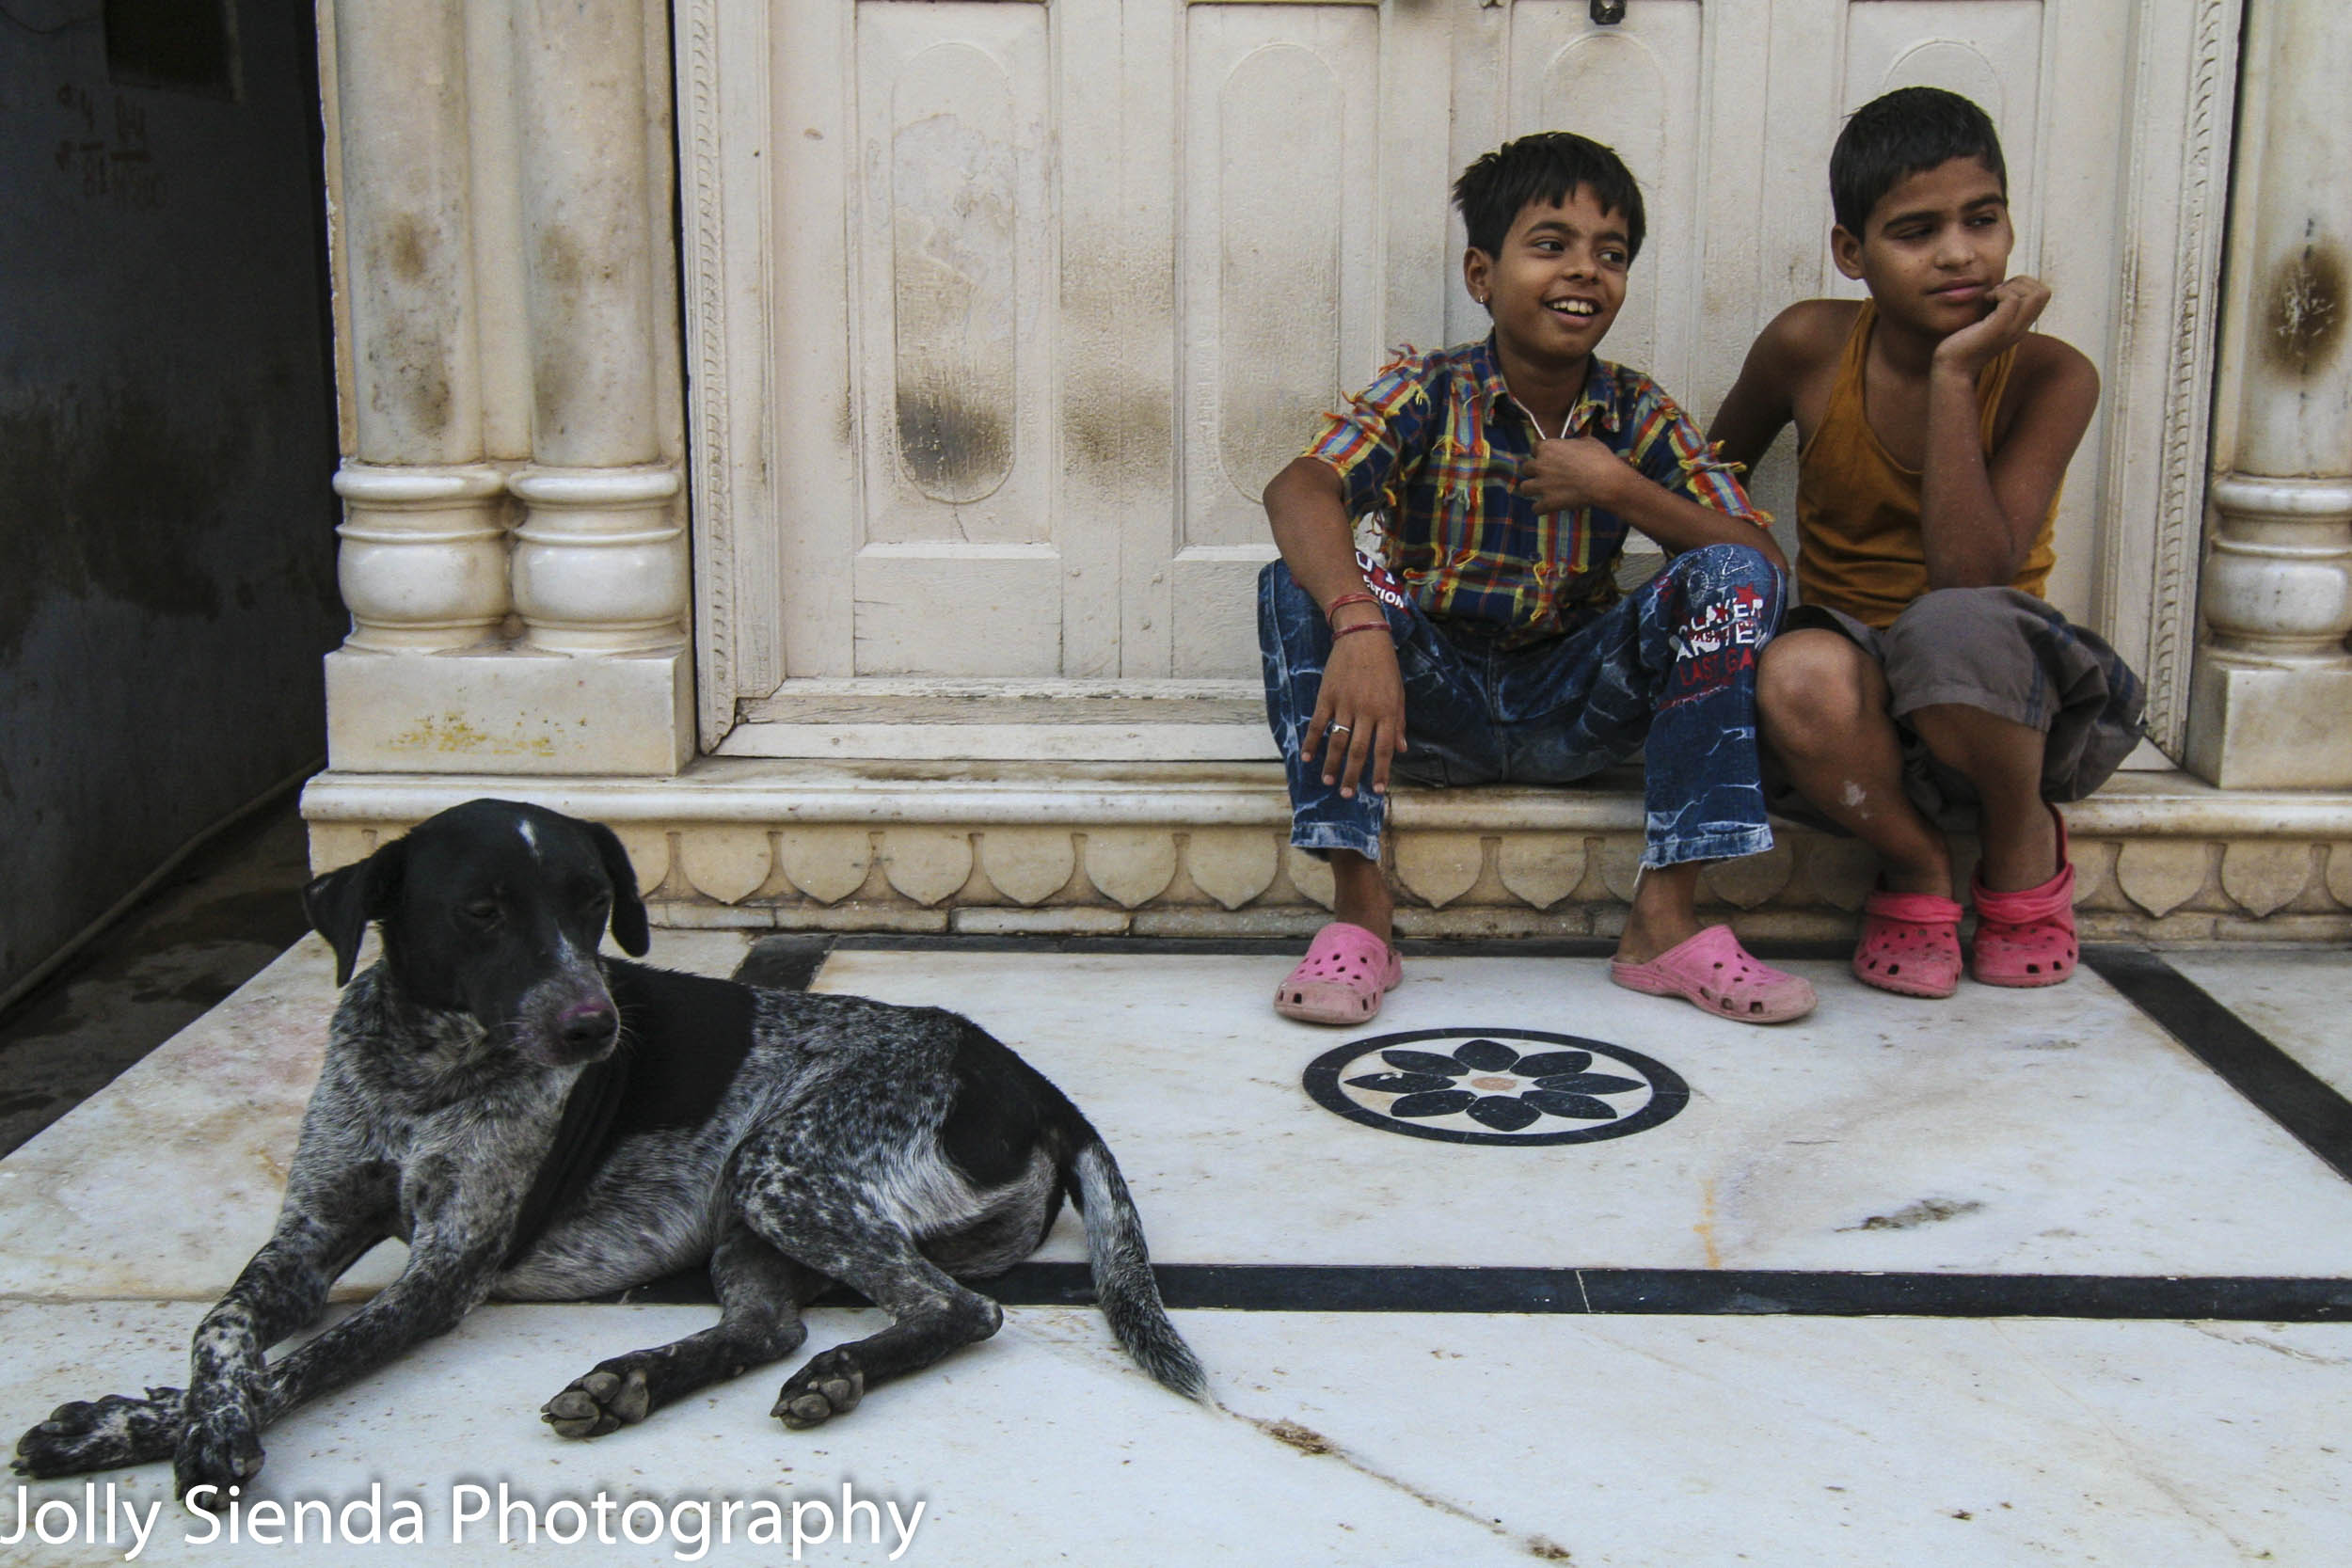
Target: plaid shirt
pixel 1432 447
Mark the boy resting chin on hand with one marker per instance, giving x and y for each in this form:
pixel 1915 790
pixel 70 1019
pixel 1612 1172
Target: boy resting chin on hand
pixel 1923 676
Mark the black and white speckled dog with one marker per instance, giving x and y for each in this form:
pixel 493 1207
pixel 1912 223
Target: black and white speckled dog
pixel 541 1124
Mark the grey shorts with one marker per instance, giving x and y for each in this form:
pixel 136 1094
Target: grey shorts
pixel 2005 652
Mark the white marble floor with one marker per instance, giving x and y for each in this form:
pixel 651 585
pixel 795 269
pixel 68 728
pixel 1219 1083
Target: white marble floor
pixel 2008 1135
pixel 2003 1131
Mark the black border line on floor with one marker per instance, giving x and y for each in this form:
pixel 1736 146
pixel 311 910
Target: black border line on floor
pixel 2239 1054
pixel 2242 1057
pixel 1693 1293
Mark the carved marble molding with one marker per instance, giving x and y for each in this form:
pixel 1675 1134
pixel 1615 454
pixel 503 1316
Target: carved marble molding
pixel 2181 174
pixel 725 259
pixel 1238 881
pixel 1178 879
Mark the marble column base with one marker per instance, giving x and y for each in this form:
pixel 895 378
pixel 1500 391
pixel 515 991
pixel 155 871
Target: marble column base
pixel 2251 728
pixel 510 710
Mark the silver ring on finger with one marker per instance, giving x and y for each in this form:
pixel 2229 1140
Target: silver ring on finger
pixel 1341 729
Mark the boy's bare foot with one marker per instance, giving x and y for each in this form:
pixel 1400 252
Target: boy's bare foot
pixel 1352 964
pixel 1933 875
pixel 2002 759
pixel 2020 852
pixel 1360 895
pixel 1664 914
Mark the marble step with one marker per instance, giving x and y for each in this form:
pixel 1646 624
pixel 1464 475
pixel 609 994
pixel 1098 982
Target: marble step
pixel 1140 720
pixel 1050 846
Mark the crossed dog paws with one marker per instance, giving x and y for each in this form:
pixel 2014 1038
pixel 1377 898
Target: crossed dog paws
pixel 217 1448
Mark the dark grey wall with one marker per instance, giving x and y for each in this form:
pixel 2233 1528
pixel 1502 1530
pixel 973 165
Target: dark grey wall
pixel 167 438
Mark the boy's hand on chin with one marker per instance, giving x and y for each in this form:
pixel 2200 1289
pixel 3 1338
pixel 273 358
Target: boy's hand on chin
pixel 2011 307
pixel 1578 470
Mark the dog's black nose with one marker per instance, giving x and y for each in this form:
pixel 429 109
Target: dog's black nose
pixel 587 1028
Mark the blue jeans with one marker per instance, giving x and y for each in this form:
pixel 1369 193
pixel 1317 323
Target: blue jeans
pixel 1671 668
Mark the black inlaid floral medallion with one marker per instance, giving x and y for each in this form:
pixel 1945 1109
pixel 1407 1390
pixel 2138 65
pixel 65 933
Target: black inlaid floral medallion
pixel 1496 1087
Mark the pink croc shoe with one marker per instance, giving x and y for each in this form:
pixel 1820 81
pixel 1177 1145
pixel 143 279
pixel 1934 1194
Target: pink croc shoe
pixel 1712 971
pixel 1910 944
pixel 2027 938
pixel 1345 973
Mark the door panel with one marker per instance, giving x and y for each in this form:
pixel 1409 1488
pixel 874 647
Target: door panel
pixel 1280 292
pixel 954 258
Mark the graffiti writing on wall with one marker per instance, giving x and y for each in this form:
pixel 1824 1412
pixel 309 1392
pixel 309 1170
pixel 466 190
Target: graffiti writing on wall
pixel 106 149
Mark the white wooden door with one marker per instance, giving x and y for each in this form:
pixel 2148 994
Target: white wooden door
pixel 1057 285
pixel 1100 263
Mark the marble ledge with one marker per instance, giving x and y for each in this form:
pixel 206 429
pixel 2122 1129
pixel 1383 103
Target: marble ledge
pixel 1104 849
pixel 768 790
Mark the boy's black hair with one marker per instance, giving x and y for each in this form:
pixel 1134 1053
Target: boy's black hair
pixel 1547 167
pixel 1901 133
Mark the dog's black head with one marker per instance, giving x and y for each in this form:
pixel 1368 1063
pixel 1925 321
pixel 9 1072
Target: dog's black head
pixel 494 909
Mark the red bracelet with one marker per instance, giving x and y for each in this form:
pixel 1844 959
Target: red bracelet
pixel 1344 600
pixel 1381 625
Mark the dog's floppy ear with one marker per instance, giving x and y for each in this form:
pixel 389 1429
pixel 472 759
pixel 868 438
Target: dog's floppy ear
pixel 629 908
pixel 342 903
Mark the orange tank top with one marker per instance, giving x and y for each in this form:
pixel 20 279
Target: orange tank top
pixel 1858 545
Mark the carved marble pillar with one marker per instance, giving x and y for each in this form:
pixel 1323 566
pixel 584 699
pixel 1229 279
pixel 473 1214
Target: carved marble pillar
pixel 423 559
pixel 2270 703
pixel 600 563
pixel 502 172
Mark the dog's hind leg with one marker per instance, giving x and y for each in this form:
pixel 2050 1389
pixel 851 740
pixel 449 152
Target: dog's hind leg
pixel 759 1293
pixel 831 1225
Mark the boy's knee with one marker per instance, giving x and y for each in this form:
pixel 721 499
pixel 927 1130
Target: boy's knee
pixel 1813 688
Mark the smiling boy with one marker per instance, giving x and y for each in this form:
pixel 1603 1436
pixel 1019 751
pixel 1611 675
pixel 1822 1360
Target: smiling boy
pixel 1504 476
pixel 1924 676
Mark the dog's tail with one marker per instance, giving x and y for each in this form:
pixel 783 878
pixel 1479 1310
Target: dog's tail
pixel 1130 1297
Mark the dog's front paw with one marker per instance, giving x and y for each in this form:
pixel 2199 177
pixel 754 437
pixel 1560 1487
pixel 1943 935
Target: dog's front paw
pixel 101 1434
pixel 831 1384
pixel 220 1449
pixel 605 1401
